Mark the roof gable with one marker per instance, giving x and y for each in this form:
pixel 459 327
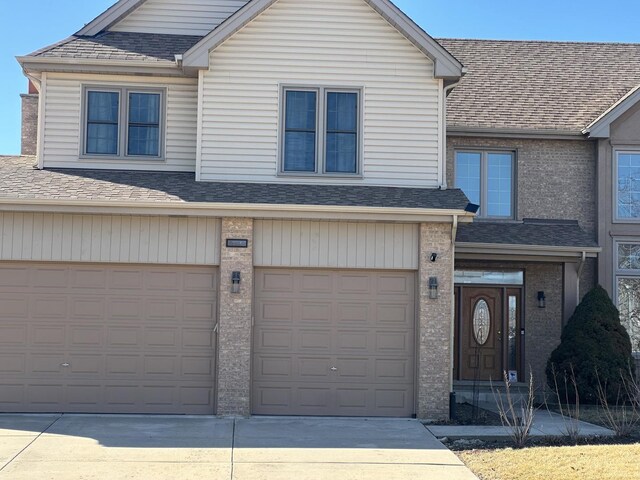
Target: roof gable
pixel 446 66
pixel 601 127
pixel 110 17
pixel 186 17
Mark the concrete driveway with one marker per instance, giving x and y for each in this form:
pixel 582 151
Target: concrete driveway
pixel 91 447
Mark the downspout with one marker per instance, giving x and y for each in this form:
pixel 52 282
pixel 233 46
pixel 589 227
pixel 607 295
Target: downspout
pixel 454 230
pixel 581 264
pixel 443 141
pixel 454 234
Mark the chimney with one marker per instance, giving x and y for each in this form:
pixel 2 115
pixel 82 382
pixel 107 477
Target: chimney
pixel 30 120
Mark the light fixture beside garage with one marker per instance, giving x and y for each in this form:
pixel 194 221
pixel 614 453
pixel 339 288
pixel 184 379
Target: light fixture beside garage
pixel 433 288
pixel 235 282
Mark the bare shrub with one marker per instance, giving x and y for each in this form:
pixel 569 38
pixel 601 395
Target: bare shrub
pixel 516 414
pixel 624 416
pixel 569 406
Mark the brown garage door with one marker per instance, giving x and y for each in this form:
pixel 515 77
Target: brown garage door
pixel 334 343
pixel 113 339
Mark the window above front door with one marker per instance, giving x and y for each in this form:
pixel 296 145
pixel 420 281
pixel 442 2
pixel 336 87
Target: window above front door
pixel 488 180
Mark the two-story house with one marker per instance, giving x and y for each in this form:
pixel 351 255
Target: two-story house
pixel 295 207
pixel 236 208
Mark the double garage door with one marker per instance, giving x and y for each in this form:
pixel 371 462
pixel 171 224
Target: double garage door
pixel 334 343
pixel 140 339
pixel 96 338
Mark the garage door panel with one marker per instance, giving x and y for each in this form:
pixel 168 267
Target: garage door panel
pixel 275 312
pixel 14 307
pixel 197 339
pixel 49 307
pixel 47 335
pixel 111 339
pixel 124 308
pixel 197 311
pixel 120 366
pixel 13 335
pixel 13 364
pixel 334 343
pixel 14 277
pixel 85 278
pixel 86 337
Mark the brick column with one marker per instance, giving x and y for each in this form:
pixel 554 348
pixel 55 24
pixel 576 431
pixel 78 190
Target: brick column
pixel 234 336
pixel 29 124
pixel 435 322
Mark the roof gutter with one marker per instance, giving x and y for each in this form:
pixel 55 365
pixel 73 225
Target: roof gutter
pixel 257 210
pixel 532 250
pixel 32 65
pixel 460 131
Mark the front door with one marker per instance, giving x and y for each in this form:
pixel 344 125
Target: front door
pixel 481 328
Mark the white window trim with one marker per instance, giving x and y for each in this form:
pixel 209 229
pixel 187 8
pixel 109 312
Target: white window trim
pixel 615 182
pixel 123 123
pixel 321 128
pixel 484 178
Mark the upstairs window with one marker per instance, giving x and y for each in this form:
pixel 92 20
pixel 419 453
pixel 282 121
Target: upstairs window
pixel 487 178
pixel 321 131
pixel 628 190
pixel 123 123
pixel 103 116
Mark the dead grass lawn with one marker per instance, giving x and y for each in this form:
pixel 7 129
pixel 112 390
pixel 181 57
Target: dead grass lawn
pixel 606 462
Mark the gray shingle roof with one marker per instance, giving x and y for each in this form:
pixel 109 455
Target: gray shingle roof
pixel 539 85
pixel 18 180
pixel 121 46
pixel 556 233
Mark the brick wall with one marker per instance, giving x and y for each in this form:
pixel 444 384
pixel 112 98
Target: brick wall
pixel 435 323
pixel 29 124
pixel 556 178
pixel 234 337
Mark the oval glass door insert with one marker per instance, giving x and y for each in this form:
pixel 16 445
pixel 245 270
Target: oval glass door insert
pixel 481 322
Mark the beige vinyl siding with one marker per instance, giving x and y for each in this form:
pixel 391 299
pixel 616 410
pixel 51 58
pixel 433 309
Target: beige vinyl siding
pixel 334 43
pixel 187 17
pixel 335 245
pixel 63 127
pixel 109 239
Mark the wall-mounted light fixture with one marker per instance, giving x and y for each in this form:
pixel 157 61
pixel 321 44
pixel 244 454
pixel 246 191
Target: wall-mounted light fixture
pixel 235 282
pixel 433 288
pixel 542 300
pixel 434 257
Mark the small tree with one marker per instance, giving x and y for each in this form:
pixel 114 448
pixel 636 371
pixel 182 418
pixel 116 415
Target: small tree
pixel 596 346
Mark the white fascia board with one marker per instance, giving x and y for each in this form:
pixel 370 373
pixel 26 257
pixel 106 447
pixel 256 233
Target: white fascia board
pixel 446 65
pixel 459 131
pixel 601 127
pixel 88 65
pixel 238 210
pixel 111 16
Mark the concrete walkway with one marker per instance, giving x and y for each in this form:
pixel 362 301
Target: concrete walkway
pixel 545 424
pixel 94 447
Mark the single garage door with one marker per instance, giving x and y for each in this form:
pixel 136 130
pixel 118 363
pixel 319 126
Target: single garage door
pixel 338 343
pixel 112 339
